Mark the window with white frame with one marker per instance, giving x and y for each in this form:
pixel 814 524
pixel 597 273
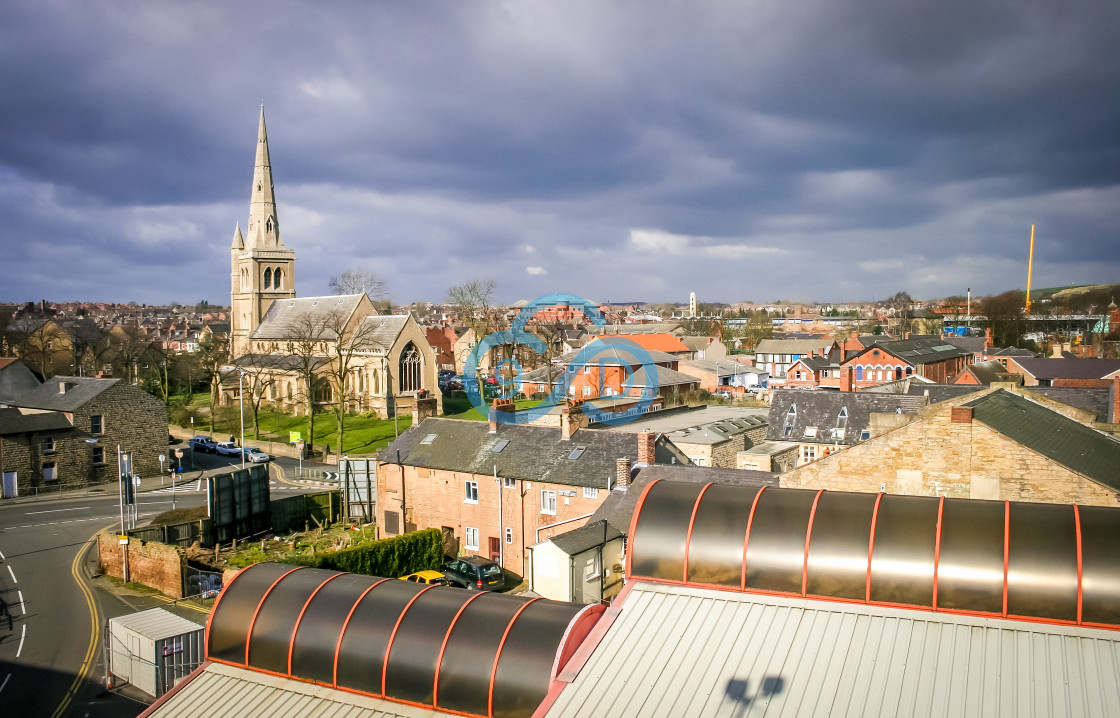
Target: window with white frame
pixel 470 492
pixel 548 502
pixel 48 444
pixel 509 535
pixel 508 483
pixel 471 541
pixel 808 453
pixel 590 492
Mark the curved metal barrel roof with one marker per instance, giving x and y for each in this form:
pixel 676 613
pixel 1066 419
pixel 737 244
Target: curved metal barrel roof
pixel 1050 562
pixel 446 648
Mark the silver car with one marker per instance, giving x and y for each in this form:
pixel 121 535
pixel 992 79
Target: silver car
pixel 255 455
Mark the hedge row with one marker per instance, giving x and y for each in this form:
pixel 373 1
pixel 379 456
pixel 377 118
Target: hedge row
pixel 388 558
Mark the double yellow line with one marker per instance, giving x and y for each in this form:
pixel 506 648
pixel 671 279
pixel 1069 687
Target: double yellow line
pixel 94 622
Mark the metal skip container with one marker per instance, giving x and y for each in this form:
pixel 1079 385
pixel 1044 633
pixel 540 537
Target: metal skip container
pixel 154 649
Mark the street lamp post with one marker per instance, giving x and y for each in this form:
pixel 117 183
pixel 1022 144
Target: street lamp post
pixel 241 397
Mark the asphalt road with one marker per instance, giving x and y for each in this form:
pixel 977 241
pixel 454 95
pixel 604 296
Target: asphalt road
pixel 51 661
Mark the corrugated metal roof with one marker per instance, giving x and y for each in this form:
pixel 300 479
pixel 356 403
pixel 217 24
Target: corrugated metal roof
pixel 683 651
pixel 157 623
pixel 220 691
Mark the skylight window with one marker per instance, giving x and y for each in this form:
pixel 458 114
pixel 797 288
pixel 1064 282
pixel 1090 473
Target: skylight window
pixel 576 453
pixel 501 445
pixel 865 435
pixel 429 439
pixel 811 432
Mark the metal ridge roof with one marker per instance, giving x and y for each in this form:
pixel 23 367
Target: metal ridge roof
pixel 700 652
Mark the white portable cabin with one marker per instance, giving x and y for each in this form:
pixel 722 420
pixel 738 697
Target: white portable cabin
pixel 154 649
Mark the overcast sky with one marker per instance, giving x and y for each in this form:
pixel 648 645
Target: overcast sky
pixel 828 150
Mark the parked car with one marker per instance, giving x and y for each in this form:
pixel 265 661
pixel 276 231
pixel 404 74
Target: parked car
pixel 228 448
pixel 475 573
pixel 445 374
pixel 255 455
pixel 430 578
pixel 204 444
pixel 722 393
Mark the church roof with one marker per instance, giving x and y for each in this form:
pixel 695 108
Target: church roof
pixel 293 318
pixel 384 332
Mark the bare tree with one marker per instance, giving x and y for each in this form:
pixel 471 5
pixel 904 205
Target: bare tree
pixel 260 375
pixel 308 349
pixel 473 304
pixel 213 354
pixel 351 337
pixel 355 281
pixel 757 327
pixel 128 347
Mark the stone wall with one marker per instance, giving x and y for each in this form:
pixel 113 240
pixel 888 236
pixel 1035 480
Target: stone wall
pixel 150 563
pixel 131 418
pixel 937 456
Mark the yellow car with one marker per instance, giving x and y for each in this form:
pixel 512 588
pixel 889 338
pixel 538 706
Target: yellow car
pixel 432 578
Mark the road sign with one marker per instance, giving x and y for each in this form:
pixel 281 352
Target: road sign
pixel 330 476
pixel 136 480
pixel 178 453
pixel 294 437
pixel 162 458
pixel 299 444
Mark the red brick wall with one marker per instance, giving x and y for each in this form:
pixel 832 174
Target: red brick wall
pixel 436 499
pixel 149 563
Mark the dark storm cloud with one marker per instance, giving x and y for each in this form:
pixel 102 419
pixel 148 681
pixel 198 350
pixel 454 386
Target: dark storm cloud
pixel 740 149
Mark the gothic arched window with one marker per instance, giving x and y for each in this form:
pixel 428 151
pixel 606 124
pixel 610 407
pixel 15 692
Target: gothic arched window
pixel 267 278
pixel 409 371
pixel 278 279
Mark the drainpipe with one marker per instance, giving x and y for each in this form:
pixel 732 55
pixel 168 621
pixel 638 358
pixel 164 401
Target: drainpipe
pixel 501 530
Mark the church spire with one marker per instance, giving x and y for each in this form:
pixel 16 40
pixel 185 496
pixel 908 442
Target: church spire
pixel 264 228
pixel 238 241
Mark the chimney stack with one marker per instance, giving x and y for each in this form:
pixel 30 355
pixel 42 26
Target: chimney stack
pixel 646 448
pixel 961 415
pixel 987 339
pixel 845 378
pixel 1115 414
pixel 622 473
pixel 494 418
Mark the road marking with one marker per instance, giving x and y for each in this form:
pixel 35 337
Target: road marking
pixel 22 636
pixel 2 556
pixel 22 605
pixel 13 574
pixel 5 682
pixel 55 511
pixel 91 651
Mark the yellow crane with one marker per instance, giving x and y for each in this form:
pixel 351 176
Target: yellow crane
pixel 1030 267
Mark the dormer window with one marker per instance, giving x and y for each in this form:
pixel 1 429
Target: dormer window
pixel 791 417
pixel 842 418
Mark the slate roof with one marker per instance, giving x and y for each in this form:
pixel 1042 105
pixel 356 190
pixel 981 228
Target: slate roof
pixel 986 372
pixel 618 507
pixel 791 346
pixel 16 378
pixel 533 453
pixel 286 317
pixel 1097 399
pixel 47 395
pixel 1068 368
pixel 821 409
pixel 1067 442
pixel 14 420
pixel 921 349
pixel 280 362
pixel 716 431
pixel 586 537
pixel 383 331
pixel 974 345
pixel 727 367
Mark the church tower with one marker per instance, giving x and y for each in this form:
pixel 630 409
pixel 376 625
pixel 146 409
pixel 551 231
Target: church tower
pixel 262 269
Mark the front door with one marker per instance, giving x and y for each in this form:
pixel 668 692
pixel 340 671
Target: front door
pixel 495 549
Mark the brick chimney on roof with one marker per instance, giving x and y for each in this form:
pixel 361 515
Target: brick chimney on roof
pixel 845 378
pixel 622 473
pixel 1114 417
pixel 647 448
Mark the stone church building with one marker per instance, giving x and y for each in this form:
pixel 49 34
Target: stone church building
pixel 373 362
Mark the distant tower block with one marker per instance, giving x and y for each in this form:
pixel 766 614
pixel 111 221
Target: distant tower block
pixel 692 304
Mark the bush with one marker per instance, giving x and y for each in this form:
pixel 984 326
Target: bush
pixel 388 558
